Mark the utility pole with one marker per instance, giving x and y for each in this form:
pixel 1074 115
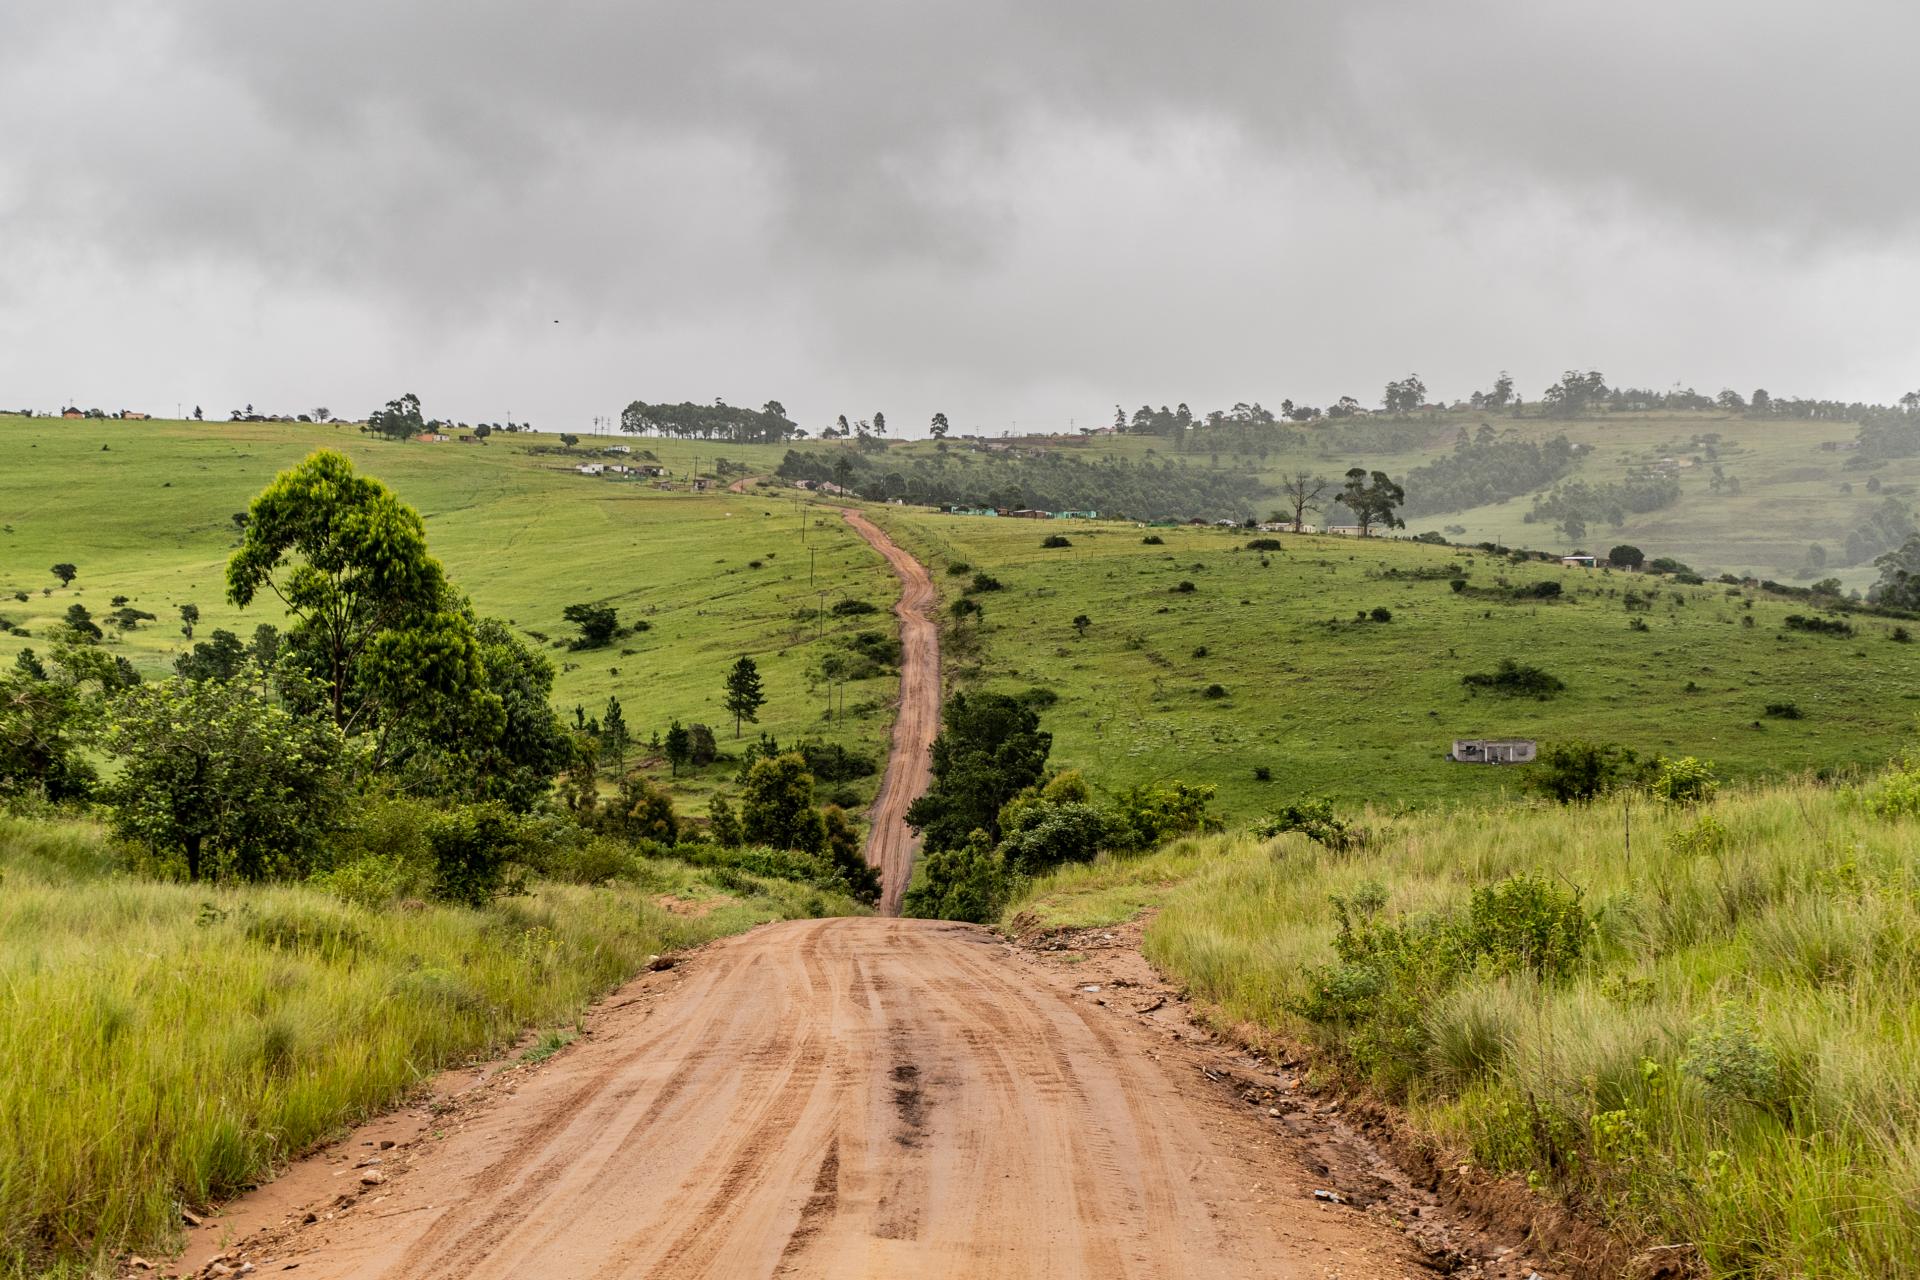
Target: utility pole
pixel 811 552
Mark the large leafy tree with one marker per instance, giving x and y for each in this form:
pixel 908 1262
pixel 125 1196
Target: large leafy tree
pixel 1899 585
pixel 374 623
pixel 46 720
pixel 217 774
pixel 497 741
pixel 400 420
pixel 1373 498
pixel 990 748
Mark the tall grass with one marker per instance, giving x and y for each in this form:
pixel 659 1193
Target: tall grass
pixel 165 1045
pixel 1735 1062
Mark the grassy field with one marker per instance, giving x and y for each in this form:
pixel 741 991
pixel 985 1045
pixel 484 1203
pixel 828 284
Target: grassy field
pixel 1793 483
pixel 165 1045
pixel 1733 1061
pixel 1365 711
pixel 144 509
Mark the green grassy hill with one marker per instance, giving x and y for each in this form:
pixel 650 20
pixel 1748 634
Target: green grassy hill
pixel 1783 485
pixel 1361 711
pixel 144 509
pixel 1367 710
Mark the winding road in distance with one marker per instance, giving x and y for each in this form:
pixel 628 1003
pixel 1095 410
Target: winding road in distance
pixel 891 844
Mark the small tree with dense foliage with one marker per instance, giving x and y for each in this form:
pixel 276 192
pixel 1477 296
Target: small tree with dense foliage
pixel 1627 556
pixel 965 883
pixel 597 624
pixel 990 748
pixel 66 573
pixel 776 806
pixel 220 657
pixel 216 774
pixel 723 825
pixel 1578 772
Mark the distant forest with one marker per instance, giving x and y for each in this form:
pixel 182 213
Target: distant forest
pixel 768 424
pixel 1146 490
pixel 1486 468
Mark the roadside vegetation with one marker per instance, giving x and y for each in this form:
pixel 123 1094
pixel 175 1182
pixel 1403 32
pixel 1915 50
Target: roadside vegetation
pixel 252 900
pixel 164 1045
pixel 1706 1039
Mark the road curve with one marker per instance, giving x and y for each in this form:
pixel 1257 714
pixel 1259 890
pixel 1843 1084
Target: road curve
pixel 861 1097
pixel 891 844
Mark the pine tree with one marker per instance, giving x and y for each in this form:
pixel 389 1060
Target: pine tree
pixel 613 731
pixel 722 823
pixel 744 696
pixel 679 746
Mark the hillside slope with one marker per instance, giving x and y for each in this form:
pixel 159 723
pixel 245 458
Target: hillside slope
pixel 1264 663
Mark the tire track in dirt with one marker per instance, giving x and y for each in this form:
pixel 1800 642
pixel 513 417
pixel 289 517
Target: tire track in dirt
pixel 891 843
pixel 850 1098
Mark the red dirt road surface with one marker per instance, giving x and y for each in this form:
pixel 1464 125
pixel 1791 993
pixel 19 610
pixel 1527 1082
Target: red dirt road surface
pixel 891 844
pixel 846 1098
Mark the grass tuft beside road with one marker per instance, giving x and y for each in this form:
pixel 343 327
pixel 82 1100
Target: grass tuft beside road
pixel 1733 1060
pixel 166 1045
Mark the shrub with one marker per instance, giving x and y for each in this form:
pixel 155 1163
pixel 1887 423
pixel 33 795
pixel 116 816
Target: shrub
pixel 1818 626
pixel 1183 588
pixel 986 582
pixel 1055 540
pixel 831 762
pixel 1685 781
pixel 1380 614
pixel 1902 636
pixel 1314 818
pixel 1515 680
pixel 1145 816
pixel 1706 838
pixel 472 848
pixel 1527 923
pixel 1214 691
pixel 1262 773
pixel 1264 544
pixel 1458 585
pixel 1728 1056
pixel 1785 711
pixel 959 567
pixel 1897 795
pixel 852 608
pixel 967 883
pixel 1046 835
pixel 701 748
pixel 1151 540
pixel 1577 772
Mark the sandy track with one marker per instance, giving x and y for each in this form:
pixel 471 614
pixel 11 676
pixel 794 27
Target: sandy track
pixel 852 1098
pixel 891 844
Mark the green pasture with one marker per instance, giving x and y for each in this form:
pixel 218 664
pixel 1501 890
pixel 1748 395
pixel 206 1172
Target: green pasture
pixel 1367 710
pixel 145 510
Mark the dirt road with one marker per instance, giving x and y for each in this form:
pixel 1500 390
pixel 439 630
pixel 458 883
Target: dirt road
pixel 843 1098
pixel 891 844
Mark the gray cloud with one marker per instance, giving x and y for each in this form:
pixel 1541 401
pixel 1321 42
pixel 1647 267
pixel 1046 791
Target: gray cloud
pixel 1020 209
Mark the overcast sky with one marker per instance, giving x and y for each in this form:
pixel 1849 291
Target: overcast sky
pixel 1014 211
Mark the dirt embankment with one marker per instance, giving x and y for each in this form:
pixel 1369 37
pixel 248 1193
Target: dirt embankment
pixel 891 844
